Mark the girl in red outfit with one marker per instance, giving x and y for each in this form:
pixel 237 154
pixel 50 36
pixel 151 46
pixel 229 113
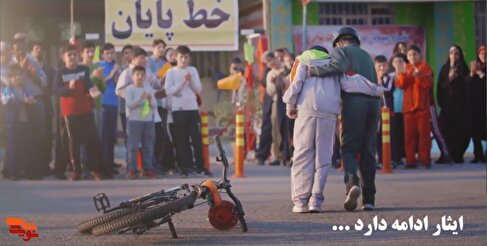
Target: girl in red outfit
pixel 416 79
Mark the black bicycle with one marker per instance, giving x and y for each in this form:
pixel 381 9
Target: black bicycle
pixel 143 213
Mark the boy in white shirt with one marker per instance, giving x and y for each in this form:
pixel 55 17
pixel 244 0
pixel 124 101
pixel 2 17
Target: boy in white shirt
pixel 182 85
pixel 140 105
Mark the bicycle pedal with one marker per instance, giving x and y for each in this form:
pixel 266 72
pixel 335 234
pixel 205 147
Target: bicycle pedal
pixel 101 201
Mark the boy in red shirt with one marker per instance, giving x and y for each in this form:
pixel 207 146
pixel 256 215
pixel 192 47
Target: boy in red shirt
pixel 416 78
pixel 75 88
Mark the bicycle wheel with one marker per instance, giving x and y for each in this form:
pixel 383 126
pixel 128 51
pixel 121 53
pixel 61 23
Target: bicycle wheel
pixel 86 226
pixel 148 215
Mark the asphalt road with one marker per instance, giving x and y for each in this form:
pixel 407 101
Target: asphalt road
pixel 56 207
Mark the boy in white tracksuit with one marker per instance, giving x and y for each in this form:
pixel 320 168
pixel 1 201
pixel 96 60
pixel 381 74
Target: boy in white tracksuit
pixel 315 104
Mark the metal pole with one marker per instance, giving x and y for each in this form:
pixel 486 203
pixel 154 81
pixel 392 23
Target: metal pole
pixel 72 20
pixel 305 17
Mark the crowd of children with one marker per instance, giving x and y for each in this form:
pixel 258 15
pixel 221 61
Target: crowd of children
pixel 155 98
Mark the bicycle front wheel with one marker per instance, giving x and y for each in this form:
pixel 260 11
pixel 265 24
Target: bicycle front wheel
pixel 86 226
pixel 147 215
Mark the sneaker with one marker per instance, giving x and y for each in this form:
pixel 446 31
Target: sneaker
pixel 132 174
pixel 368 207
pixel 76 176
pixel 351 200
pixel 300 210
pixel 97 176
pixel 315 209
pixel 149 173
pixel 260 162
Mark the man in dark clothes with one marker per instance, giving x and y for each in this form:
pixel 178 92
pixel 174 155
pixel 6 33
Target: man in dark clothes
pixel 360 116
pixel 264 149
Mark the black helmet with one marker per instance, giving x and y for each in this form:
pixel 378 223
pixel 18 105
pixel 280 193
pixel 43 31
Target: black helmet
pixel 346 30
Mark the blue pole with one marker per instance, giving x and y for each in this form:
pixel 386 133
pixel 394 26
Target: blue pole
pixel 305 17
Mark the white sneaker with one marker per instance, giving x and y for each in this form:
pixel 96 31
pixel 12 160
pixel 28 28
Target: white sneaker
pixel 368 207
pixel 297 209
pixel 352 197
pixel 313 209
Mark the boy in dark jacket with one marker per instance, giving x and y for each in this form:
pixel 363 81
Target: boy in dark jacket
pixel 75 88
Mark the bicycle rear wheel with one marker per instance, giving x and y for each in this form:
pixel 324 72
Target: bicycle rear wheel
pixel 86 226
pixel 148 215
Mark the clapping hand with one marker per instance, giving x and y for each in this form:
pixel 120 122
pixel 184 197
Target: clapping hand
pixel 143 96
pixel 98 73
pixel 72 84
pixel 415 71
pixel 94 92
pixel 452 74
pixel 187 77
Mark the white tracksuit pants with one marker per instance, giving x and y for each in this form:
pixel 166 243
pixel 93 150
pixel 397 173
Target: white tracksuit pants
pixel 313 148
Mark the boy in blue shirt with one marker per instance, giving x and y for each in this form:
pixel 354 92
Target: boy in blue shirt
pixel 111 71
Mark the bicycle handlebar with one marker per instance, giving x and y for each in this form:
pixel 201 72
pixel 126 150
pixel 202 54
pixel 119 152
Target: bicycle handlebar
pixel 222 157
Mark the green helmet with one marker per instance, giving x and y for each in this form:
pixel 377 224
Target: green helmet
pixel 342 31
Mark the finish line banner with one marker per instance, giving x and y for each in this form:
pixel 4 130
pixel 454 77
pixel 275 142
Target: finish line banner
pixel 203 25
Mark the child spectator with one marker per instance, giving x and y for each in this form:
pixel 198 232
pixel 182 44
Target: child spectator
pixel 182 84
pixel 140 106
pixel 96 73
pixel 238 96
pixel 5 58
pixel 127 55
pixel 315 104
pixel 76 90
pixel 139 59
pixel 19 129
pixel 155 63
pixel 110 105
pixel 397 117
pixel 416 78
pixel 275 85
pixel 381 68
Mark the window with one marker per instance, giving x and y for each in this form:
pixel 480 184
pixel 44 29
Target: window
pixel 355 14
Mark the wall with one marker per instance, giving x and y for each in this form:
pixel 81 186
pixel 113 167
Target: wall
pixel 281 30
pixel 464 28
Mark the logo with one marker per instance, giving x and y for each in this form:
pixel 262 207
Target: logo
pixel 25 230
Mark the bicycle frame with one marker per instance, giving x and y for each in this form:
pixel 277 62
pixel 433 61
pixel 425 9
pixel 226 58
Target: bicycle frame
pixel 102 203
pixel 208 190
